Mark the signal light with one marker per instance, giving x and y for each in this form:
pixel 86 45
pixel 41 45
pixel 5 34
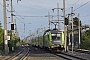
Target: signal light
pixel 66 21
pixel 12 26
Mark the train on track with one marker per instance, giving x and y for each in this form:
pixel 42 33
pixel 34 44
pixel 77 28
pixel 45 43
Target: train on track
pixel 50 39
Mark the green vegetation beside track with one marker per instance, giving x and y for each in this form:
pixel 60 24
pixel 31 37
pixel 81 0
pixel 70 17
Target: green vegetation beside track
pixel 85 43
pixel 10 44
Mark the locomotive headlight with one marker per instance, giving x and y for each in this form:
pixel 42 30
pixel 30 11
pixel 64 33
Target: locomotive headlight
pixel 52 46
pixel 57 45
pixel 62 46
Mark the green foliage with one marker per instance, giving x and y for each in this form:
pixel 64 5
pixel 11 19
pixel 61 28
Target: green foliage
pixel 23 42
pixel 13 41
pixel 1 34
pixel 1 38
pixel 16 39
pixel 10 41
pixel 76 21
pixel 85 43
pixel 0 24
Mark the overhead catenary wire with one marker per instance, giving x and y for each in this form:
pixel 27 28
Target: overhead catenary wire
pixel 75 3
pixel 25 5
pixel 1 4
pixel 30 16
pixel 72 4
pixel 82 5
pixel 85 16
pixel 79 6
pixel 34 6
pixel 21 16
pixel 45 4
pixel 16 13
pixel 36 16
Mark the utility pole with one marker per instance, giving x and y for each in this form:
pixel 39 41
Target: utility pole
pixel 79 29
pixel 69 27
pixel 24 27
pixel 49 19
pixel 58 15
pixel 5 28
pixel 72 28
pixel 65 34
pixel 30 36
pixel 16 32
pixel 24 30
pixel 12 23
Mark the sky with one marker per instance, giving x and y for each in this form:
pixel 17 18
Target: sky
pixel 30 14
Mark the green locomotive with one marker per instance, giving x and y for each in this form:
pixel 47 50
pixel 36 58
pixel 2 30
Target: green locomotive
pixel 50 39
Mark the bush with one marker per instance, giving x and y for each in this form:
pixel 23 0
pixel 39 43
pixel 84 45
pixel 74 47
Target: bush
pixel 85 43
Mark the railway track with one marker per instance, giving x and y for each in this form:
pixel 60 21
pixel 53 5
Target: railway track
pixel 40 54
pixel 83 51
pixel 68 56
pixel 21 55
pixel 5 57
pixel 35 53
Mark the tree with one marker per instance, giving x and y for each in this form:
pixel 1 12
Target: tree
pixel 85 43
pixel 15 40
pixel 0 24
pixel 1 37
pixel 76 21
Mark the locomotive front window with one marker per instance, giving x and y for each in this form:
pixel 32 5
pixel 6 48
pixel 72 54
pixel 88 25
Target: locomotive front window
pixel 56 36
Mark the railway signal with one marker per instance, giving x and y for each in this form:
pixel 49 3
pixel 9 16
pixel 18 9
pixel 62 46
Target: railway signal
pixel 12 26
pixel 66 21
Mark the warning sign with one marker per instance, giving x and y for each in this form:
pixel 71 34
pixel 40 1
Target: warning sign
pixel 8 37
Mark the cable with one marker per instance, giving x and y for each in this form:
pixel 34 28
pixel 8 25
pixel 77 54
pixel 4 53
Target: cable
pixel 35 16
pixel 19 19
pixel 16 13
pixel 73 4
pixel 29 16
pixel 19 16
pixel 43 3
pixel 82 5
pixel 1 4
pixel 67 2
pixel 85 16
pixel 32 5
pixel 25 4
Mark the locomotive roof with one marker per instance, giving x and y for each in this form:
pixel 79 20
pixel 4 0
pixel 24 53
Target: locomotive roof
pixel 52 31
pixel 55 31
